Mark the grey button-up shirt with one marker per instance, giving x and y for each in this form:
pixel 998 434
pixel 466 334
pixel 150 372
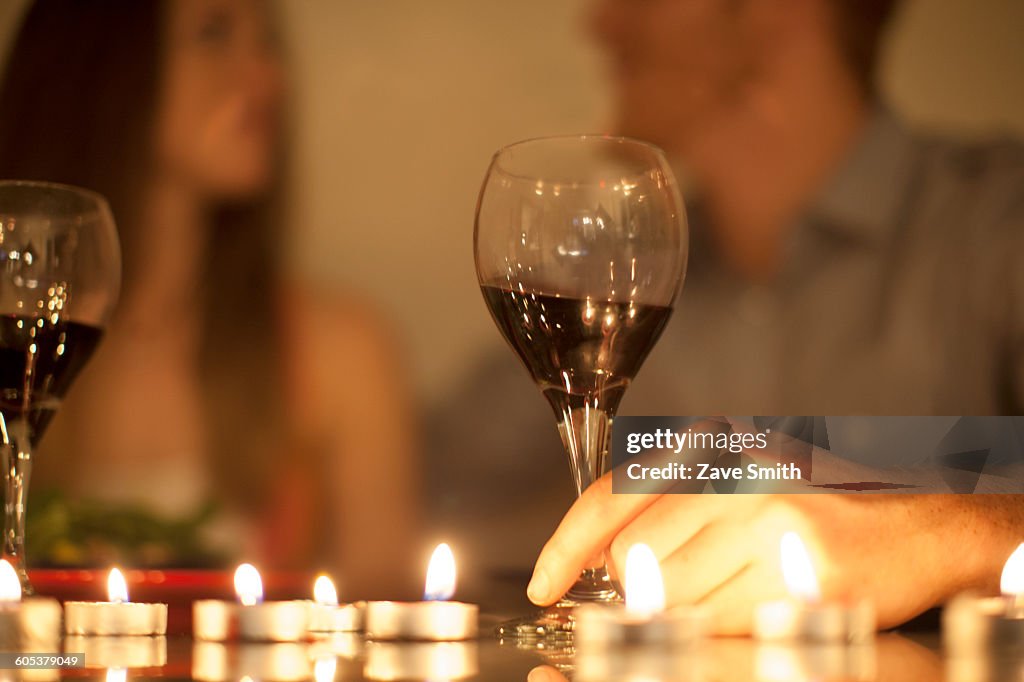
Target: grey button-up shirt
pixel 902 294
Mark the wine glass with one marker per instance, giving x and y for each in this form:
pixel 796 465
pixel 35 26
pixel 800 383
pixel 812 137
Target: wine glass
pixel 61 272
pixel 580 247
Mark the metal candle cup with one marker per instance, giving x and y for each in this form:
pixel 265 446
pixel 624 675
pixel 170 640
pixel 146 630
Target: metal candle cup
pixel 803 616
pixel 326 615
pixel 975 624
pixel 612 625
pixel 424 620
pixel 436 618
pixel 117 616
pixel 32 623
pixel 250 618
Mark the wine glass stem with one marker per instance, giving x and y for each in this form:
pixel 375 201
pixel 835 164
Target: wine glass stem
pixel 17 463
pixel 586 434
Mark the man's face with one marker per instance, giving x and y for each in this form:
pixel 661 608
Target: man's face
pixel 677 65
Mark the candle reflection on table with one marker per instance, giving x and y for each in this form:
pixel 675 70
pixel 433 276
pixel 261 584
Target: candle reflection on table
pixel 786 662
pixel 346 645
pixel 325 668
pixel 128 651
pixel 892 658
pixel 420 660
pixel 285 661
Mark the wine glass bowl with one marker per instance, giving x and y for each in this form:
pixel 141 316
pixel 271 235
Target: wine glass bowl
pixel 60 272
pixel 580 246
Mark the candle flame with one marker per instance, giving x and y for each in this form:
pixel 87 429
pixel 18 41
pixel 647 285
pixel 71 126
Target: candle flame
pixel 440 575
pixel 117 588
pixel 10 586
pixel 645 590
pixel 324 592
pixel 797 570
pixel 248 585
pixel 1011 583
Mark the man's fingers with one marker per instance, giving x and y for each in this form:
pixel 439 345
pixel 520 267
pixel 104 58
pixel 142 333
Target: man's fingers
pixel 731 605
pixel 712 557
pixel 585 531
pixel 673 520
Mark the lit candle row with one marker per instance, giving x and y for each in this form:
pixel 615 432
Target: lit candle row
pixel 35 622
pixel 435 618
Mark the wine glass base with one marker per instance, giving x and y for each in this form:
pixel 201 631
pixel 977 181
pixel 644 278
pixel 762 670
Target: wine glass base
pixel 555 623
pixel 26 586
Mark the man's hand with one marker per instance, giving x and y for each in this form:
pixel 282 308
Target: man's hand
pixel 906 553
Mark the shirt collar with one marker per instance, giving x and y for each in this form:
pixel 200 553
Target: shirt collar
pixel 863 199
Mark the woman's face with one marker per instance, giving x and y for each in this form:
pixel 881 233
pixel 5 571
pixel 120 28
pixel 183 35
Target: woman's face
pixel 218 117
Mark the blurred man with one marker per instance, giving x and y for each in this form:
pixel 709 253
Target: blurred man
pixel 840 264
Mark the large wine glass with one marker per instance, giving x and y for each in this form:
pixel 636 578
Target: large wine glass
pixel 580 250
pixel 61 272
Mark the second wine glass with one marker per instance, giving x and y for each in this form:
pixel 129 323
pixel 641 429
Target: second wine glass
pixel 60 274
pixel 580 246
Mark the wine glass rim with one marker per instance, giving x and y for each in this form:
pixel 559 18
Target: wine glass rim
pixel 89 195
pixel 618 139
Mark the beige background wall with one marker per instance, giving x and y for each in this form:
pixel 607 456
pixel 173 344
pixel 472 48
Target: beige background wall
pixel 399 104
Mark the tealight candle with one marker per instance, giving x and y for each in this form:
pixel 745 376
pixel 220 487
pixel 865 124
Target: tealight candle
pixel 638 640
pixel 971 622
pixel 434 619
pixel 644 619
pixel 326 615
pixel 250 618
pixel 804 615
pixel 118 616
pixel 25 624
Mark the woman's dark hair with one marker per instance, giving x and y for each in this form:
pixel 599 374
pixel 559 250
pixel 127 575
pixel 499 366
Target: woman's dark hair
pixel 78 104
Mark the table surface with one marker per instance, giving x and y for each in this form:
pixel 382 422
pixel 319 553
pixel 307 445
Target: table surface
pixel 913 654
pixel 907 657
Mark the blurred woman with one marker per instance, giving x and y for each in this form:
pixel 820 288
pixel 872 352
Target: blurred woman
pixel 222 375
